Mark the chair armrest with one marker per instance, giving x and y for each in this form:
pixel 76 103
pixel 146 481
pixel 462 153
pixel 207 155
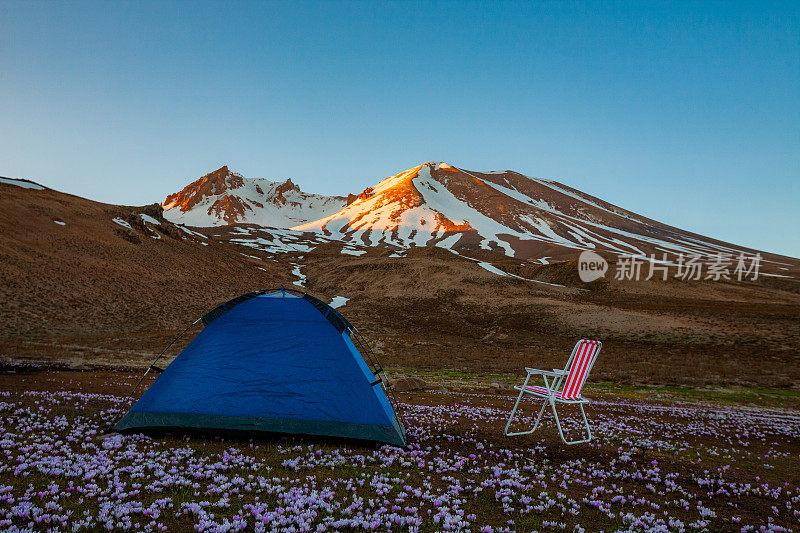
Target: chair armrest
pixel 560 371
pixel 544 372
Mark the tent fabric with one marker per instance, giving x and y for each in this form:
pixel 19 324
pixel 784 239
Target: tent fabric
pixel 270 362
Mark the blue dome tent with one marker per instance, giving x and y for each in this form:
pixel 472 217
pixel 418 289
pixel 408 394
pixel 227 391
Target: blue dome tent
pixel 282 362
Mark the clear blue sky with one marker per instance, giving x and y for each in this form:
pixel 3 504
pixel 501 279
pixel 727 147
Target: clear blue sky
pixel 688 113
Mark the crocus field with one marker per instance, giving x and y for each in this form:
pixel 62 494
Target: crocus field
pixel 657 464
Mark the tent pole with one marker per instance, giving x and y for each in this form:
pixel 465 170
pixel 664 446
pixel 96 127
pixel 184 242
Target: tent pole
pixel 378 369
pixel 149 368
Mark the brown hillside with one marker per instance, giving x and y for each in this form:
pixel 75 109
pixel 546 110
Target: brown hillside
pixel 92 283
pixel 434 310
pixel 97 292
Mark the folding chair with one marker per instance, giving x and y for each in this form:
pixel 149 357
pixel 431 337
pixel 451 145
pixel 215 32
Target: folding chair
pixel 565 387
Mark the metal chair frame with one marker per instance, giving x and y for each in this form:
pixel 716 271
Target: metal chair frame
pixel 559 378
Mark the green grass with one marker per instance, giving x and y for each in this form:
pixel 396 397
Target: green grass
pixel 733 395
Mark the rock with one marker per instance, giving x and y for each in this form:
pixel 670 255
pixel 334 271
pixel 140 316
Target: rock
pixel 77 365
pixel 154 210
pixel 408 384
pixel 495 388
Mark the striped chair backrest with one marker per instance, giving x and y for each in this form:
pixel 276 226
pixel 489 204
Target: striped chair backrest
pixel 583 357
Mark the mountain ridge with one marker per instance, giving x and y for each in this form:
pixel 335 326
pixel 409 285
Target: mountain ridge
pixel 440 204
pixel 224 197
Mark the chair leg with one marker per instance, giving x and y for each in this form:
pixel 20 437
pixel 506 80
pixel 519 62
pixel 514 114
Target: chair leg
pixel 536 425
pixel 586 423
pixel 539 416
pixel 513 412
pixel 561 431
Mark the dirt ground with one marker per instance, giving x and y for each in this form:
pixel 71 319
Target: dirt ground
pixel 663 459
pixel 434 311
pixel 94 292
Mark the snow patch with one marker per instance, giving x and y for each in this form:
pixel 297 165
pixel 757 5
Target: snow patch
pixel 448 242
pixel 350 251
pixel 491 268
pixel 583 198
pixel 22 183
pixel 338 301
pixel 439 199
pixel 494 270
pixel 296 272
pixel 190 232
pixel 276 241
pixel 149 220
pixel 122 222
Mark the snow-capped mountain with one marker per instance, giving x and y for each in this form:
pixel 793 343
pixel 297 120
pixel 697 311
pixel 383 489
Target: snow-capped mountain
pixel 224 197
pixel 434 204
pixel 437 204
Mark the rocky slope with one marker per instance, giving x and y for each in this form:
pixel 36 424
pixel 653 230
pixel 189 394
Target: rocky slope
pixel 224 197
pixel 437 204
